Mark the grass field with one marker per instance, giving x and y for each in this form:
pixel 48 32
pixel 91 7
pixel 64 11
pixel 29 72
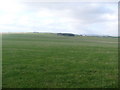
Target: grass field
pixel 51 61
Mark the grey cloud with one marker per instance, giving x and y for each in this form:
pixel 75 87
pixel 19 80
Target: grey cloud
pixel 85 12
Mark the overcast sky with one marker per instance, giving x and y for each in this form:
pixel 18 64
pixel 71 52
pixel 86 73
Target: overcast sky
pixel 70 17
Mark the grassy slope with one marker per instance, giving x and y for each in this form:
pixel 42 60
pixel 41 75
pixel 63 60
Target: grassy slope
pixel 48 60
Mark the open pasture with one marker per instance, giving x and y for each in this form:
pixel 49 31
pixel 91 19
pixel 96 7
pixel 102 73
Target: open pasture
pixel 43 60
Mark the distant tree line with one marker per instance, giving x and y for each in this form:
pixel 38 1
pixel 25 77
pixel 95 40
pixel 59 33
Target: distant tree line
pixel 66 34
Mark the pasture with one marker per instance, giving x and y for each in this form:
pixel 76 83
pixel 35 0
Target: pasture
pixel 43 60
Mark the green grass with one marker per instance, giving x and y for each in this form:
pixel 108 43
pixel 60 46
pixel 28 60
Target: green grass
pixel 51 61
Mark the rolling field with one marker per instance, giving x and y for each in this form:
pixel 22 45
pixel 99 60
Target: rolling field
pixel 51 61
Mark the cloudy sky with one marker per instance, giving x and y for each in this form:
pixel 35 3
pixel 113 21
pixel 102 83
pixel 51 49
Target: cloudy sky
pixel 99 18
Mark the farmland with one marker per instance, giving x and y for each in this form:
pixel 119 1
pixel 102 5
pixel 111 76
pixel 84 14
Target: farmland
pixel 43 60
